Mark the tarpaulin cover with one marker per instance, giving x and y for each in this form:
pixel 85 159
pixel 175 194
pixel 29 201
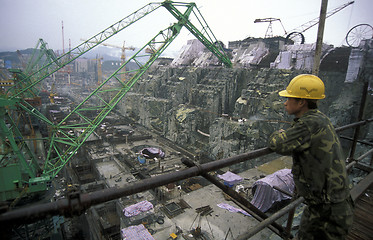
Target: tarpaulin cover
pixel 54 111
pixel 151 152
pixel 230 178
pixel 232 209
pixel 264 193
pixel 138 232
pixel 137 208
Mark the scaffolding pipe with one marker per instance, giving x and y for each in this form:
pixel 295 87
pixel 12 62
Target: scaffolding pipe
pixel 271 219
pixel 76 203
pixel 242 202
pixel 289 208
pixel 359 118
pixel 355 124
pixel 289 222
pixel 351 164
pixel 291 213
pixel 359 141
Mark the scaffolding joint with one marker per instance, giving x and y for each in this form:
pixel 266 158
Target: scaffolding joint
pixel 75 204
pixel 189 163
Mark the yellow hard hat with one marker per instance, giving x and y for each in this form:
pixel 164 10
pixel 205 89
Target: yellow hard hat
pixel 306 86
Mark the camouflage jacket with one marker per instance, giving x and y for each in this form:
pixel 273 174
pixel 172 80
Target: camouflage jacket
pixel 319 169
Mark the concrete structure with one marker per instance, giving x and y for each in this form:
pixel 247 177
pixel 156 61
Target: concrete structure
pixel 203 114
pixel 299 57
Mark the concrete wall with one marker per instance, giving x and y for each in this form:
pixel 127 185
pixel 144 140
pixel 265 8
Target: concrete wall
pixel 238 108
pixel 220 112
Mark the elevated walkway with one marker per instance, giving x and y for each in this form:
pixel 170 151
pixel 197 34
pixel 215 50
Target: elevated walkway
pixel 362 195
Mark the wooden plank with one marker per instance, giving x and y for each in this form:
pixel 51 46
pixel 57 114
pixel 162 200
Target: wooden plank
pixel 360 188
pixel 364 167
pixel 363 219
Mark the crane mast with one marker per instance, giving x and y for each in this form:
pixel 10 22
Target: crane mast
pixel 304 27
pixel 296 34
pixel 62 145
pixel 269 32
pixel 122 57
pixel 84 47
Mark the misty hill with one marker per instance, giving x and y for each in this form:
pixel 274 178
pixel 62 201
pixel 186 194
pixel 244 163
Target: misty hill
pixel 12 59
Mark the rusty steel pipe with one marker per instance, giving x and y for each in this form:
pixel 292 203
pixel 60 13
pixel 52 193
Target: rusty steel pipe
pixel 244 203
pixel 355 124
pixel 359 141
pixel 351 164
pixel 77 203
pixel 271 219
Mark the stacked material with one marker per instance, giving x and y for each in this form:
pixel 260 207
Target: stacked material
pixel 264 193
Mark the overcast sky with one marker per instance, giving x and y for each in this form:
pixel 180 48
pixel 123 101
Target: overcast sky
pixel 23 22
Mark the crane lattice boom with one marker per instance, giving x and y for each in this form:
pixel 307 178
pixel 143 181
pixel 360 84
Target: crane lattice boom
pixel 62 144
pixel 304 27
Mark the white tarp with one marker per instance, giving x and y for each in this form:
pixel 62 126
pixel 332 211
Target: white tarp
pixel 264 193
pixel 299 56
pixel 230 178
pixel 249 55
pixel 232 209
pixel 137 208
pixel 355 62
pixel 138 232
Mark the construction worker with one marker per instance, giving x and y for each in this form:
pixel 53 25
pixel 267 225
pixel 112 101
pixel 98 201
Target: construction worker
pixel 319 169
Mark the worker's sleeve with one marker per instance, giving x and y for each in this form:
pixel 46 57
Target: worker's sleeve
pixel 295 139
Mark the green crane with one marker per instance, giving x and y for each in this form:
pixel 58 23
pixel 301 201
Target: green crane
pixel 19 168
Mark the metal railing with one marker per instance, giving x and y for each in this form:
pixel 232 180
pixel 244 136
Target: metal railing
pixel 76 203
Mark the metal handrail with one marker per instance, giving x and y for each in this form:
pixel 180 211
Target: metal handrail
pixel 77 203
pixel 267 222
pixel 290 207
